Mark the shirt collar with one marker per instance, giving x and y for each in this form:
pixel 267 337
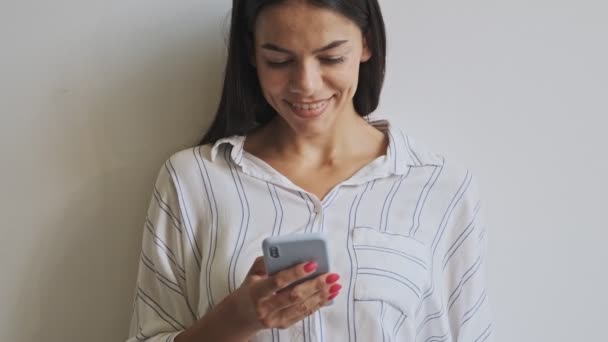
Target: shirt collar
pixel 402 151
pixel 236 141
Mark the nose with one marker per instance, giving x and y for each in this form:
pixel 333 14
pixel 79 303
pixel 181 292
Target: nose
pixel 305 79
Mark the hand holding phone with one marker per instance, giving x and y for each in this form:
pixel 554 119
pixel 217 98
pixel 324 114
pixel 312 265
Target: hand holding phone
pixel 285 251
pixel 276 293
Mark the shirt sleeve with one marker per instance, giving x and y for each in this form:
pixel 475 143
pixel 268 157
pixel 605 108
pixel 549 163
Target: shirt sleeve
pixel 459 263
pixel 163 306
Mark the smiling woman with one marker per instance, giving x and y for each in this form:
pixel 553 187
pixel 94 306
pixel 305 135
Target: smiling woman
pixel 291 151
pixel 273 42
pixel 310 67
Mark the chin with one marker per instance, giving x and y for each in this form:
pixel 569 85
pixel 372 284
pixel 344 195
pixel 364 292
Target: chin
pixel 311 126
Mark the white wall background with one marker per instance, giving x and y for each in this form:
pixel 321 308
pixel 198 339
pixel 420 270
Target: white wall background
pixel 94 95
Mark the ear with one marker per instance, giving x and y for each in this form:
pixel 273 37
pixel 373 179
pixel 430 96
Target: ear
pixel 366 52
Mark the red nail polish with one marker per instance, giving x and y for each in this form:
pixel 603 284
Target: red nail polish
pixel 332 296
pixel 332 278
pixel 311 266
pixel 335 288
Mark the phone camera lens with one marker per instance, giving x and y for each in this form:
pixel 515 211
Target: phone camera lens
pixel 274 252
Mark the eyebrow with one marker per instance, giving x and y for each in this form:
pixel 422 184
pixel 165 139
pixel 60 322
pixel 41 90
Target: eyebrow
pixel 329 46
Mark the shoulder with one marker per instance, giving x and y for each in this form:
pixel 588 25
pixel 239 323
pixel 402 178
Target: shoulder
pixel 415 152
pixel 446 173
pixel 189 164
pixel 208 156
pixel 191 174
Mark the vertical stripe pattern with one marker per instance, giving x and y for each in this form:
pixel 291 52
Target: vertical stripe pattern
pixel 407 237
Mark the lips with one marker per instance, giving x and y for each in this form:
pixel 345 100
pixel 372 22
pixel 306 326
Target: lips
pixel 310 108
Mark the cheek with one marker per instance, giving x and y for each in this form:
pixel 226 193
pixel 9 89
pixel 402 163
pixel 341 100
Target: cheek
pixel 271 81
pixel 345 79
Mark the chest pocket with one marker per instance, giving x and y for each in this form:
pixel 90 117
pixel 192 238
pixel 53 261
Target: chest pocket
pixel 392 269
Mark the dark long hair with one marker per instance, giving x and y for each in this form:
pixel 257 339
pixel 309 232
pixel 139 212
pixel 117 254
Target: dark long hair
pixel 242 105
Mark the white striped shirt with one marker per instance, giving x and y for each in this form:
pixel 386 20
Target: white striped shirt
pixel 405 234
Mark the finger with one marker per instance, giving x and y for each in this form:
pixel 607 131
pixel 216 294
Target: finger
pixel 322 284
pixel 258 267
pixel 283 279
pixel 291 297
pixel 295 313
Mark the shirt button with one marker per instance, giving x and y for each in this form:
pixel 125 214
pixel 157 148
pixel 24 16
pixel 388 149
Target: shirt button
pixel 318 208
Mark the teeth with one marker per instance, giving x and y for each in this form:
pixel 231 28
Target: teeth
pixel 308 106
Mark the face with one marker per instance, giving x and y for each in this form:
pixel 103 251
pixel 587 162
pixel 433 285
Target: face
pixel 307 59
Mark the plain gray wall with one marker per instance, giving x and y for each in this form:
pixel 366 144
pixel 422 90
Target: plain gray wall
pixel 94 95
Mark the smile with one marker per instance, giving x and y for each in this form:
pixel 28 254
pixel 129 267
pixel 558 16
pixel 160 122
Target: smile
pixel 308 106
pixel 310 109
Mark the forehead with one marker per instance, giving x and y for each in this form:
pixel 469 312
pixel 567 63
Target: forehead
pixel 298 22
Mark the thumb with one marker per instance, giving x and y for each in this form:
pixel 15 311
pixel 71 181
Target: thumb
pixel 258 268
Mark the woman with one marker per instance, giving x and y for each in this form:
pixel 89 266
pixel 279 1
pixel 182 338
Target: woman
pixel 291 150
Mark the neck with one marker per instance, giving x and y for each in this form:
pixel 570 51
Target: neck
pixel 328 147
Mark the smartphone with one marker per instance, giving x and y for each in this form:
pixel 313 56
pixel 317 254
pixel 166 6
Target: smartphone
pixel 284 251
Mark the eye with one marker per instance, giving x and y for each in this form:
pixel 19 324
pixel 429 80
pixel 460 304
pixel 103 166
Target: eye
pixel 273 64
pixel 337 60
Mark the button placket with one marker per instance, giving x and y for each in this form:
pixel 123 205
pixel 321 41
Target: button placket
pixel 318 208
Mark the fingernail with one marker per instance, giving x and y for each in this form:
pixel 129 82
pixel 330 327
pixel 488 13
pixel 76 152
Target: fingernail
pixel 332 278
pixel 332 296
pixel 311 266
pixel 335 288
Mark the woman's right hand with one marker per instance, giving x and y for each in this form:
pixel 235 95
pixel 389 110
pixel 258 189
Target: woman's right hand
pixel 260 304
